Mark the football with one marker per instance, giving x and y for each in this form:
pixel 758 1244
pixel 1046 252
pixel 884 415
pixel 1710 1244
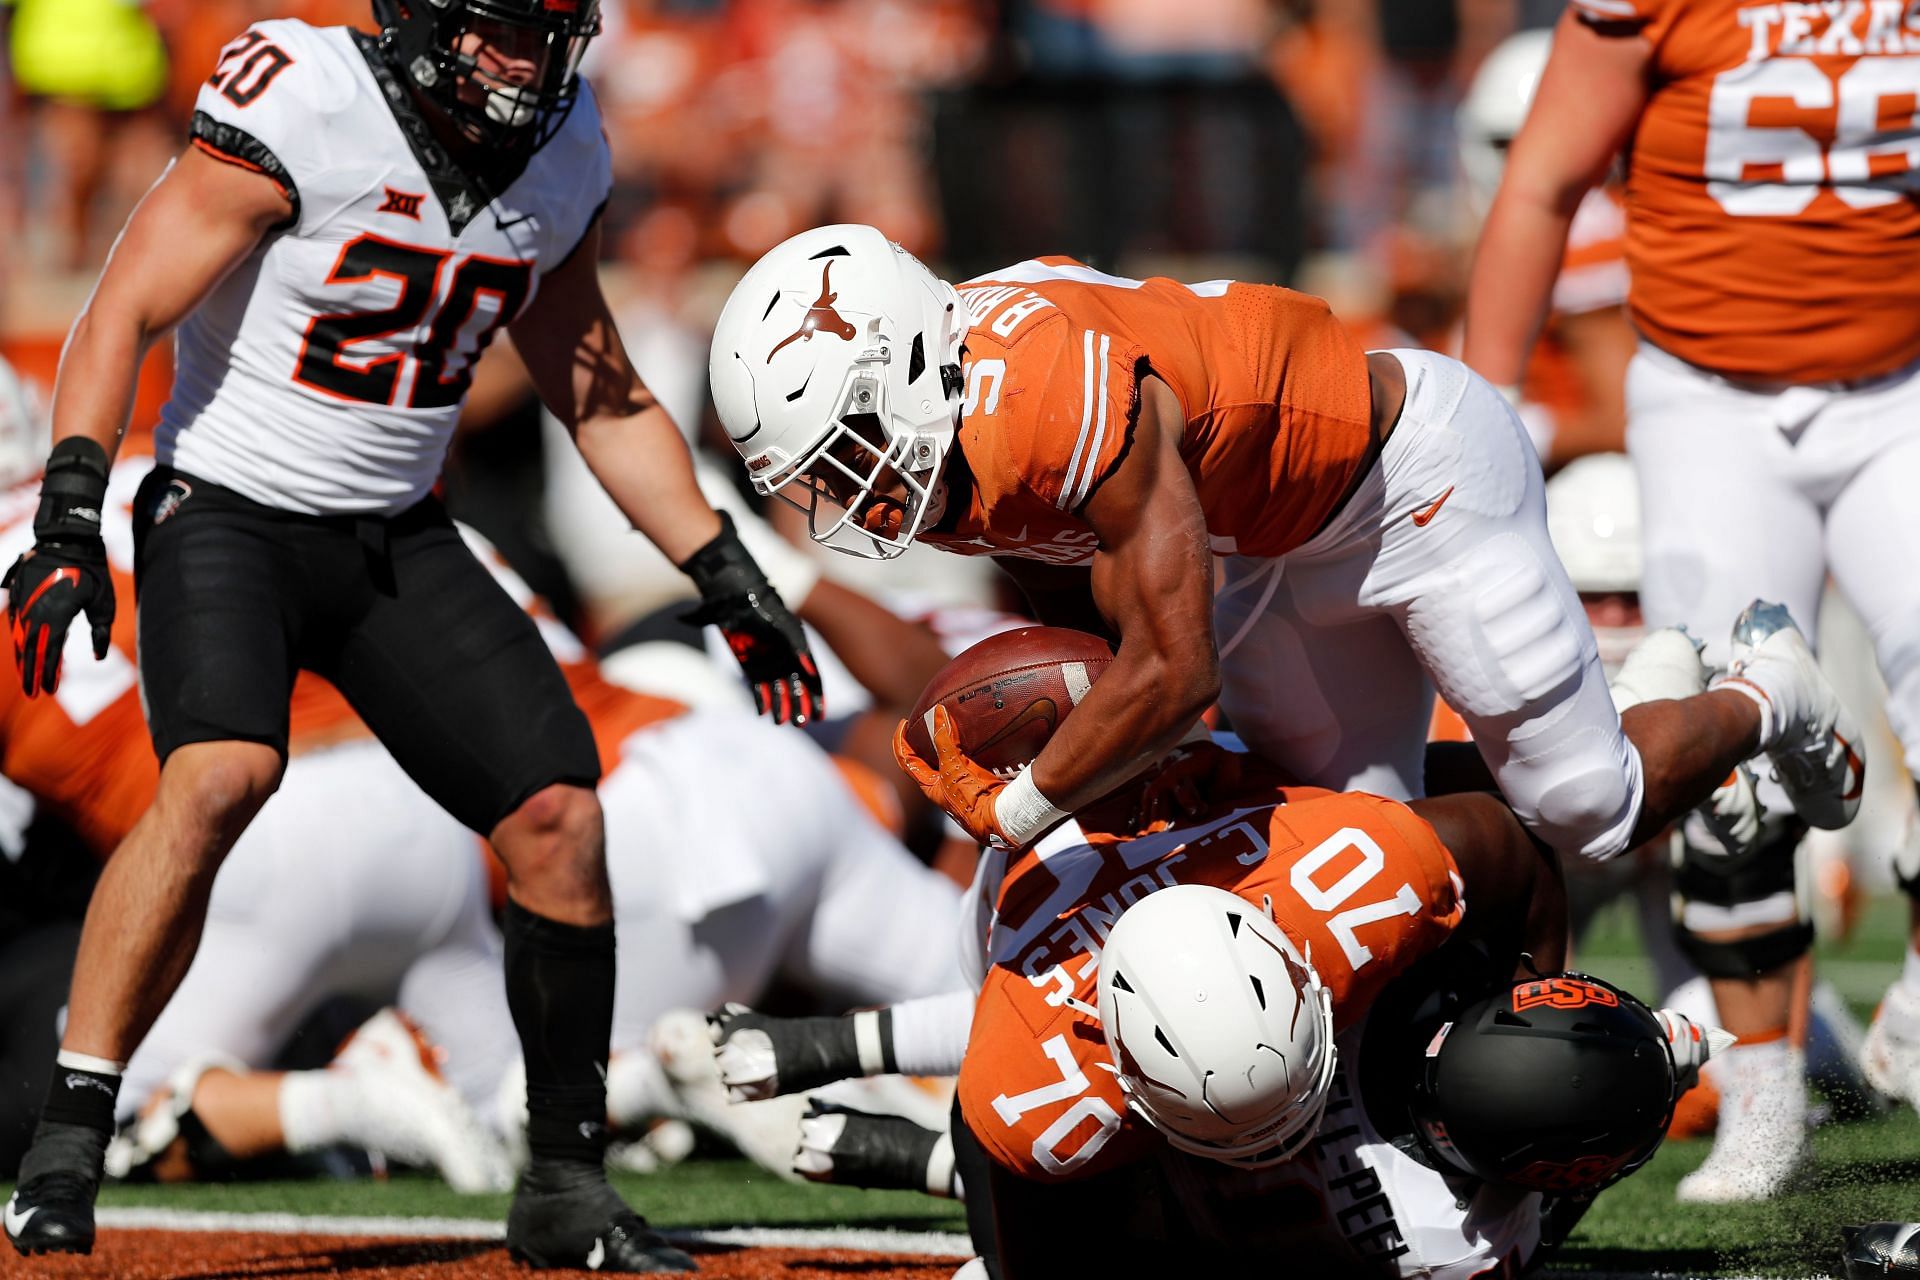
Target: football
pixel 1008 693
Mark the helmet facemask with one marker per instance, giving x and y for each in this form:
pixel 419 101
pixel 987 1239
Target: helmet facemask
pixel 505 72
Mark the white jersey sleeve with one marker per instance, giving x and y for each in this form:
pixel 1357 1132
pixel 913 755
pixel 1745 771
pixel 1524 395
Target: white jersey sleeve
pixel 267 105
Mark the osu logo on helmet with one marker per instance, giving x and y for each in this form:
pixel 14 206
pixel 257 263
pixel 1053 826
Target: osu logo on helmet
pixel 1561 993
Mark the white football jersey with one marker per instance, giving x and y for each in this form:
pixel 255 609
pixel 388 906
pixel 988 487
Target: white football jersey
pixel 325 373
pixel 1354 1204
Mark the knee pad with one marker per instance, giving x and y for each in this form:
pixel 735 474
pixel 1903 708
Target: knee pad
pixel 1587 796
pixel 1529 640
pixel 1715 893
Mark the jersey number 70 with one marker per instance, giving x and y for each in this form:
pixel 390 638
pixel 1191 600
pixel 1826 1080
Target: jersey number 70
pixel 325 364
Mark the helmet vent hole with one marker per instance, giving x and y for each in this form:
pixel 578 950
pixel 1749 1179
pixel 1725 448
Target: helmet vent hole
pixel 1259 992
pixel 1505 1019
pixel 1120 982
pixel 772 302
pixel 1233 924
pixel 1165 1043
pixel 916 360
pixel 838 251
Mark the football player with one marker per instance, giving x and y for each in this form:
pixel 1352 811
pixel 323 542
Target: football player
pixel 1771 409
pixel 386 899
pixel 1375 523
pixel 356 218
pixel 1214 1030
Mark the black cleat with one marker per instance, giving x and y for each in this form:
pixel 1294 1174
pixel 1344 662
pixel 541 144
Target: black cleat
pixel 587 1227
pixel 53 1213
pixel 1880 1249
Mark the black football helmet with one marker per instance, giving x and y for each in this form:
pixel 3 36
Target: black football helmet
pixel 1562 1084
pixel 426 42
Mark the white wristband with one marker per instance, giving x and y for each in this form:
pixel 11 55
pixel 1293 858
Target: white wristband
pixel 1022 813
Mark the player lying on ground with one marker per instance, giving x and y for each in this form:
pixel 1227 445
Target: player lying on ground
pixel 1379 515
pixel 1074 1069
pixel 358 216
pixel 385 899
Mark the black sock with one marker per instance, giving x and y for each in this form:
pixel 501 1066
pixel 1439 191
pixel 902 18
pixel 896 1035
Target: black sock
pixel 78 1096
pixel 560 991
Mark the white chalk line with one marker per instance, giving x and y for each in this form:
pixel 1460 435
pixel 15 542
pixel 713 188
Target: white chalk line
pixel 940 1244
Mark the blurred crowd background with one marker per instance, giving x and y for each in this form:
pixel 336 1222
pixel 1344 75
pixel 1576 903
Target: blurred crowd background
pixel 1309 142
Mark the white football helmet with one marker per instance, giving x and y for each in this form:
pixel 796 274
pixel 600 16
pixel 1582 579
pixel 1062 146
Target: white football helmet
pixel 1220 1030
pixel 1593 517
pixel 836 372
pixel 1494 109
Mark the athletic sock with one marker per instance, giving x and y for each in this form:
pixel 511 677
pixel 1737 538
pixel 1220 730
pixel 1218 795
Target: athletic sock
pixel 84 1091
pixel 316 1109
pixel 930 1034
pixel 1910 972
pixel 560 992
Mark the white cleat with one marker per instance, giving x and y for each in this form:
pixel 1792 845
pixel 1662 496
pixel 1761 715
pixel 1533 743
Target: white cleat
pixel 406 1111
pixel 1666 666
pixel 1815 746
pixel 1891 1058
pixel 1761 1148
pixel 767 1133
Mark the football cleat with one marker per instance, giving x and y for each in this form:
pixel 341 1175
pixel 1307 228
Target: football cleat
pixel 51 1211
pixel 1891 1059
pixel 1665 666
pixel 1810 736
pixel 852 1148
pixel 405 1110
pixel 1880 1249
pixel 587 1227
pixel 1761 1147
pixel 765 1132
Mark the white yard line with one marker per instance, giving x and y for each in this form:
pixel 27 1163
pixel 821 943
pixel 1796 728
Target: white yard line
pixel 873 1240
pixel 938 1244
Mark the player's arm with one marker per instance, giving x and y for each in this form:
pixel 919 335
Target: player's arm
pixel 1515 897
pixel 1590 95
pixel 197 223
pixel 1057 595
pixel 1153 582
pixel 577 362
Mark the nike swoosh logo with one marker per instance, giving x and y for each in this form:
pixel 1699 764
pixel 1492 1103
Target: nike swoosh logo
pixel 1427 513
pixel 1039 709
pixel 17 1220
pixel 597 1255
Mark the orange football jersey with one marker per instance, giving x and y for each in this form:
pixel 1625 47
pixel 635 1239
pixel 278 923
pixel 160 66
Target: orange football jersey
pixel 1361 884
pixel 1772 230
pixel 1274 391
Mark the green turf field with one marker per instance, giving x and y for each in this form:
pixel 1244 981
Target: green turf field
pixel 1865 1170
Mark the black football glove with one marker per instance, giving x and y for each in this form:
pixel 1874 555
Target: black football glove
pixel 65 574
pixel 765 637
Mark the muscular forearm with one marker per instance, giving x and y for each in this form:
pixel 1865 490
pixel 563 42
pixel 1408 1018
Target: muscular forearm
pixel 1138 711
pixel 99 373
pixel 645 466
pixel 1514 268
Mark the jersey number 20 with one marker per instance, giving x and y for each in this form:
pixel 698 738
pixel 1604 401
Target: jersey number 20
pixel 326 364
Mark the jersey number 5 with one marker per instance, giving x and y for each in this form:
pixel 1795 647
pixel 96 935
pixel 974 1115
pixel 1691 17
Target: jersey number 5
pixel 325 365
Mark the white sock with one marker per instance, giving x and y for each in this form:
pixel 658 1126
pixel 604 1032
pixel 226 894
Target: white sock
pixel 317 1108
pixel 87 1062
pixel 1748 688
pixel 930 1034
pixel 1910 971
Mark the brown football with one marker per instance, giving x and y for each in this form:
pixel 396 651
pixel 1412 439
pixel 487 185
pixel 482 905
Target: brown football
pixel 1008 693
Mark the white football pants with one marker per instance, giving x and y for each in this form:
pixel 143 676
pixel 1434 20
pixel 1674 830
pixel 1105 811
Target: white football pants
pixel 1749 493
pixel 1330 654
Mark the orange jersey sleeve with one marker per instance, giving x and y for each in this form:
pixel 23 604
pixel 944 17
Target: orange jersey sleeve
pixel 83 750
pixel 1274 393
pixel 1772 230
pixel 1362 884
